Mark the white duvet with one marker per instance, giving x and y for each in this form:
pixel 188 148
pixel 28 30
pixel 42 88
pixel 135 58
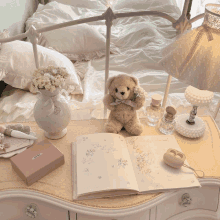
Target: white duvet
pixel 140 40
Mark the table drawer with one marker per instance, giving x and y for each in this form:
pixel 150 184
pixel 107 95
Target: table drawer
pixel 144 215
pixel 91 217
pixel 15 209
pixel 202 198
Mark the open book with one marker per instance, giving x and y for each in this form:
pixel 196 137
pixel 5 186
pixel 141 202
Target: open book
pixel 106 165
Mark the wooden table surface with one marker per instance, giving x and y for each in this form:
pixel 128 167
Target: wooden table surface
pixel 201 153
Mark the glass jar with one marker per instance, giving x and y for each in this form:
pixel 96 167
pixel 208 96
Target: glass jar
pixel 167 123
pixel 154 112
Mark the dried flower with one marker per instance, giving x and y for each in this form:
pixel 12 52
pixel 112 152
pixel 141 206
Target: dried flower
pixel 49 78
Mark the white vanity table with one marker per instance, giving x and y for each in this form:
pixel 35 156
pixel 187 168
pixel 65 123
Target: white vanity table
pixel 52 195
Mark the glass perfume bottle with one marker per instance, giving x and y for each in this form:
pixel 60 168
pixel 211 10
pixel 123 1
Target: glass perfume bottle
pixel 167 123
pixel 154 112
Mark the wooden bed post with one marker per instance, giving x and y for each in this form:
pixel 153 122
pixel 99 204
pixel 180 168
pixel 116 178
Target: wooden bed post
pixel 109 16
pixel 33 36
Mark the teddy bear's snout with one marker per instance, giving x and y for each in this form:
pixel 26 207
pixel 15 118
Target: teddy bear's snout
pixel 122 92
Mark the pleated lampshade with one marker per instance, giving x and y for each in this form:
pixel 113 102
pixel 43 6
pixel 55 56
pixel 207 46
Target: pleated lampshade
pixel 194 56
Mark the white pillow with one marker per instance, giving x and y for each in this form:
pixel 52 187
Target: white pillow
pixel 92 4
pixel 17 65
pixel 142 4
pixel 79 42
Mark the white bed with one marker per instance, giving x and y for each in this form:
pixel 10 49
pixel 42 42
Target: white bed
pixel 140 40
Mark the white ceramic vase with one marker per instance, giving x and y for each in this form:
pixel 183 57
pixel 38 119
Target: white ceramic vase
pixel 52 114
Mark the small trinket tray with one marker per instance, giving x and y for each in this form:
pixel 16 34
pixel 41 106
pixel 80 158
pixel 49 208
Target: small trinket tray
pixel 16 145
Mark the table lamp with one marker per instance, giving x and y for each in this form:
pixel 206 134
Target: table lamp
pixel 191 125
pixel 194 58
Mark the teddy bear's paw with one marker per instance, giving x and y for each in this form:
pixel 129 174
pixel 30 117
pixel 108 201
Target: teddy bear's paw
pixel 110 129
pixel 136 129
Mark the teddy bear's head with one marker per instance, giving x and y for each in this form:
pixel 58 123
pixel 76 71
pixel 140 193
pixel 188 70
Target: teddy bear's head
pixel 122 86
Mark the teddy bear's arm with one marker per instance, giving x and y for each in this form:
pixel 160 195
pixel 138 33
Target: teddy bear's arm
pixel 108 99
pixel 140 96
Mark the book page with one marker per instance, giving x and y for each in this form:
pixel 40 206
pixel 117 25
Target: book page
pixel 103 163
pixel 146 153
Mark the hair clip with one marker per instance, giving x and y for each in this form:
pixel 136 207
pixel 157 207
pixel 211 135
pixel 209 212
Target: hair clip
pixel 19 127
pixel 175 159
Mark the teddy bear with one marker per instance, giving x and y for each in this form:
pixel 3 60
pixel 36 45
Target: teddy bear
pixel 124 98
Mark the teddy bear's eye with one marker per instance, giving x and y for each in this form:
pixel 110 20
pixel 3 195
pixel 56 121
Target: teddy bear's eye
pixel 116 90
pixel 127 88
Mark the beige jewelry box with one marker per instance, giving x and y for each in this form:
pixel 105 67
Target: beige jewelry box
pixel 37 161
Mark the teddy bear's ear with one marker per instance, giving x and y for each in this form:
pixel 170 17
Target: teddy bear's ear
pixel 135 80
pixel 109 81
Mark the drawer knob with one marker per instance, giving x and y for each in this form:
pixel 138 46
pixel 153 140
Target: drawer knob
pixel 31 211
pixel 185 200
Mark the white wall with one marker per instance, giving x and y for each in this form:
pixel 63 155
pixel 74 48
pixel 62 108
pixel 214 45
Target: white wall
pixel 13 14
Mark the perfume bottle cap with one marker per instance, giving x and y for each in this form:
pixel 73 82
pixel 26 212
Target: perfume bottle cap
pixel 156 99
pixel 171 111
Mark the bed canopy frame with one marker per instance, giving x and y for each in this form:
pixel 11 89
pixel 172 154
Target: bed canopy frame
pixel 180 25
